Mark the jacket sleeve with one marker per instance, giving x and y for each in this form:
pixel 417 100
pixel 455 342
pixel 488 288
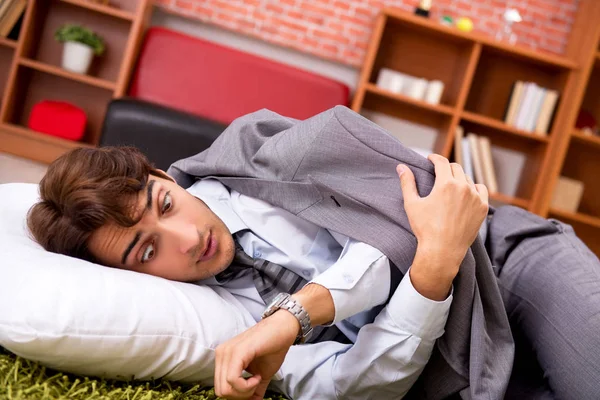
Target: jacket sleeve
pixel 384 362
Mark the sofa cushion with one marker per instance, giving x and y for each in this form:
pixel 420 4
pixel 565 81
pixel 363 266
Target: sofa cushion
pixel 222 83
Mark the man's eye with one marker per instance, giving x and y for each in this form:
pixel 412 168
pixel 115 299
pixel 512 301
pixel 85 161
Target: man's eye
pixel 148 253
pixel 167 203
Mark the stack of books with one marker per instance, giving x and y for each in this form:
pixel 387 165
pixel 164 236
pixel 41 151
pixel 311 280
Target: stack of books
pixel 10 12
pixel 531 107
pixel 474 154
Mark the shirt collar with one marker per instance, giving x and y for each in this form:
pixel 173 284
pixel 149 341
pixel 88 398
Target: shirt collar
pixel 217 197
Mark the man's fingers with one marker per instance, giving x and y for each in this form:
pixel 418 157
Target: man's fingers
pixel 442 167
pixel 483 193
pixel 245 387
pixel 260 391
pixel 458 172
pixel 407 183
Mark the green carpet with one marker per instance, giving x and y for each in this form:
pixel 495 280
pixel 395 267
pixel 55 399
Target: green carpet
pixel 24 379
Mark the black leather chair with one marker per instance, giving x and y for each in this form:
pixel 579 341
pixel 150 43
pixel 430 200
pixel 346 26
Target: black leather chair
pixel 165 135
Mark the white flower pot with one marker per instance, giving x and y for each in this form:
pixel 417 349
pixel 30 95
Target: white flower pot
pixel 77 57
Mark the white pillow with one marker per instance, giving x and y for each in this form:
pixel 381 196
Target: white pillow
pixel 80 317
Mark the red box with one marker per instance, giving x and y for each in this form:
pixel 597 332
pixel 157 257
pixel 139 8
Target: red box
pixel 58 118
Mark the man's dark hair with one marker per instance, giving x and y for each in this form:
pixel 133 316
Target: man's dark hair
pixel 82 191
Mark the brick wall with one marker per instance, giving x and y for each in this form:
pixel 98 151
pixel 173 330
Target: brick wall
pixel 339 30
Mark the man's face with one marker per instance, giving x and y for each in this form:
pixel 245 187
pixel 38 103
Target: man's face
pixel 178 237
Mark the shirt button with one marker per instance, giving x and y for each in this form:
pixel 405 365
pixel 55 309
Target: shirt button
pixel 257 254
pixel 306 273
pixel 348 278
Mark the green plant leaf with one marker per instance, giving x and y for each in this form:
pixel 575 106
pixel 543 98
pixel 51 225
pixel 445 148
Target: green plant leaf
pixel 80 34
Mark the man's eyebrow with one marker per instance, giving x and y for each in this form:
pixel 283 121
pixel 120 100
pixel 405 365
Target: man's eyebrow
pixel 136 239
pixel 138 235
pixel 149 198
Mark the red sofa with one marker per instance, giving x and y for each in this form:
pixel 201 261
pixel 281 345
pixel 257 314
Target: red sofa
pixel 185 91
pixel 222 83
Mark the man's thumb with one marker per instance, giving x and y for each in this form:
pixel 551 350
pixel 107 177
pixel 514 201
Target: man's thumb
pixel 261 389
pixel 407 182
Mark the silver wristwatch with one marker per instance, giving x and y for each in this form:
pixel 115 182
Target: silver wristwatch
pixel 286 302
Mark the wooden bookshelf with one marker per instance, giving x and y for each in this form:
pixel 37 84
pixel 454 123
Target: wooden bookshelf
pixel 586 140
pixel 8 42
pixel 501 126
pixel 479 73
pixel 31 71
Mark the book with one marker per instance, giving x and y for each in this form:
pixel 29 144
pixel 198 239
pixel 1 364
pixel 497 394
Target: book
pixel 567 194
pixel 466 153
pixel 458 151
pixel 12 16
pixel 476 158
pixel 509 165
pixel 525 106
pixel 489 172
pixel 546 112
pixel 536 105
pixel 514 103
pixel 4 7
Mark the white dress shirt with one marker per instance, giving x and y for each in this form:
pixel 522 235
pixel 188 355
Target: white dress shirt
pixel 392 344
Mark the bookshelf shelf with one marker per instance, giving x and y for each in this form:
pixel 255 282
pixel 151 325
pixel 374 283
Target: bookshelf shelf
pixel 499 125
pixel 108 10
pixel 438 108
pixel 453 34
pixel 578 217
pixel 585 139
pixel 31 71
pixel 8 42
pixel 51 69
pixel 505 199
pixel 67 144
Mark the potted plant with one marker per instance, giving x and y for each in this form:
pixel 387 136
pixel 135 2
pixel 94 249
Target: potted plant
pixel 80 46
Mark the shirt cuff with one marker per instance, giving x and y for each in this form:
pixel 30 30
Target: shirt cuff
pixel 417 314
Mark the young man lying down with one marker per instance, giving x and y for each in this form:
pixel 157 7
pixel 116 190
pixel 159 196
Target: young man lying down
pixel 306 225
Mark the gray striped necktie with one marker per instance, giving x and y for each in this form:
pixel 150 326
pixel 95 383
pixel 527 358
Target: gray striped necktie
pixel 270 279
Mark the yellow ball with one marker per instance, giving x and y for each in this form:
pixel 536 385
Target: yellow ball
pixel 464 24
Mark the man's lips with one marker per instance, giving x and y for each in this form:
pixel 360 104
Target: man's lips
pixel 209 249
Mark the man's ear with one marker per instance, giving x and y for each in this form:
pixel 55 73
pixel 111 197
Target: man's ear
pixel 161 174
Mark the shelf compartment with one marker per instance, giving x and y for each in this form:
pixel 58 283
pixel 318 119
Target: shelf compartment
pixel 451 33
pixel 407 46
pixel 582 163
pixel 67 144
pixel 48 16
pixel 413 125
pixel 495 76
pixel 33 145
pixel 517 159
pixel 591 100
pixel 103 9
pixel 58 71
pixel 438 108
pixel 586 227
pixel 6 59
pixel 501 126
pixel 585 139
pixel 503 199
pixel 35 85
pixel 4 42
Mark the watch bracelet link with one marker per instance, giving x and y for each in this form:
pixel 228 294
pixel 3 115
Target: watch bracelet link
pixel 286 302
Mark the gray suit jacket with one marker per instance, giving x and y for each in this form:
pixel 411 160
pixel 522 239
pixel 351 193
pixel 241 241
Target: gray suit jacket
pixel 337 170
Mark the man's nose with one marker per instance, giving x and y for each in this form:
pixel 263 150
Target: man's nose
pixel 186 235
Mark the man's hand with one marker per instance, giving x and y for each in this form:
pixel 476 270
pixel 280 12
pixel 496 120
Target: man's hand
pixel 446 223
pixel 260 351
